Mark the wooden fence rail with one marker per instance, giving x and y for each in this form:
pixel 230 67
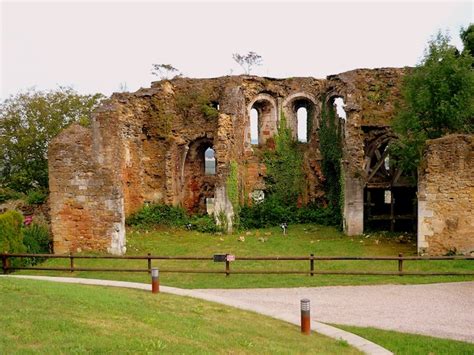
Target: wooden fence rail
pixel 8 267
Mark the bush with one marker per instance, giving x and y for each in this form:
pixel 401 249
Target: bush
pixel 271 213
pixel 156 214
pixel 36 197
pixel 9 194
pixel 37 240
pixel 11 234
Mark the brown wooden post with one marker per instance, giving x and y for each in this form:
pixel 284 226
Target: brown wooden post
pixel 5 262
pixel 71 262
pixel 400 263
pixel 311 265
pixel 149 263
pixel 227 267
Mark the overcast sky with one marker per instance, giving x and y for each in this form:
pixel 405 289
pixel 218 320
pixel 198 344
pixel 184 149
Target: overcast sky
pixel 96 46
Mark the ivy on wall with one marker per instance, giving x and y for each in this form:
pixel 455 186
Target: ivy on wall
pixel 232 186
pixel 285 175
pixel 331 151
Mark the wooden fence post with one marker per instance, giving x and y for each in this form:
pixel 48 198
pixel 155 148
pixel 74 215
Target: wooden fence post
pixel 71 262
pixel 5 262
pixel 400 263
pixel 311 265
pixel 227 267
pixel 149 263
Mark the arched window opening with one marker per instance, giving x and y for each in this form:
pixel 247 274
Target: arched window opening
pixel 209 162
pixel 302 123
pixel 253 126
pixel 339 104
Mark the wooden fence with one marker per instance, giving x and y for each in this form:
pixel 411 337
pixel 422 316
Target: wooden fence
pixel 228 259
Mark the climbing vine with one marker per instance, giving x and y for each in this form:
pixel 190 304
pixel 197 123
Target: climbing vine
pixel 284 178
pixel 232 185
pixel 331 151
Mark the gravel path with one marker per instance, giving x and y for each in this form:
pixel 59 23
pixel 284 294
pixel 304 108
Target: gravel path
pixel 442 310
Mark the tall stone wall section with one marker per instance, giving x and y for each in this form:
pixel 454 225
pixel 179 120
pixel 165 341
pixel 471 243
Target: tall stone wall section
pixel 446 196
pixel 87 205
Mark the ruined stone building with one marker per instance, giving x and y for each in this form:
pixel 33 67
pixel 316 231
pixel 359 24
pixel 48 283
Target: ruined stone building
pixel 175 143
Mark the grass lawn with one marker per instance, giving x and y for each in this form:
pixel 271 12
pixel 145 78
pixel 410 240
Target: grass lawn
pixel 402 343
pixel 45 317
pixel 301 240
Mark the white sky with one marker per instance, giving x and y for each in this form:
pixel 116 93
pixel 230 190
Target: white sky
pixel 96 46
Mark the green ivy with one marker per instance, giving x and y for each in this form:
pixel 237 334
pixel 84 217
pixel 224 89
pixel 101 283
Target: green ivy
pixel 331 151
pixel 285 175
pixel 232 185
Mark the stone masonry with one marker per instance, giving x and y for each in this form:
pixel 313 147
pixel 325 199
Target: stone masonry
pixel 149 146
pixel 446 196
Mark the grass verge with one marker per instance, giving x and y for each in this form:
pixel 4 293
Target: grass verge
pixel 301 240
pixel 403 343
pixel 45 317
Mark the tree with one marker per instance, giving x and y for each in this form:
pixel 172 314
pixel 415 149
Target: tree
pixel 248 61
pixel 28 122
pixel 437 99
pixel 467 37
pixel 164 71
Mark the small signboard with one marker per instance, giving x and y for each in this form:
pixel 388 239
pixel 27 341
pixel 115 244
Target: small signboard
pixel 219 258
pixel 230 257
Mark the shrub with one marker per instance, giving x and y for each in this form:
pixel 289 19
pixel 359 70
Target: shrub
pixel 11 235
pixel 37 240
pixel 36 197
pixel 204 224
pixel 9 194
pixel 157 214
pixel 272 213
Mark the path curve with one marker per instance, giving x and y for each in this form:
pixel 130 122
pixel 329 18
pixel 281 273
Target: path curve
pixel 289 312
pixel 444 310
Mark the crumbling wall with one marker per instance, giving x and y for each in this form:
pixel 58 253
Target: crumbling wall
pixel 369 96
pixel 446 196
pixel 86 201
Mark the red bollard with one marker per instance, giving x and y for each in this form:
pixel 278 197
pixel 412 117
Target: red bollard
pixel 155 280
pixel 305 317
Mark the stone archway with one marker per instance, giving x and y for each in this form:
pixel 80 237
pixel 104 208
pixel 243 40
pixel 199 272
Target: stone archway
pixel 199 179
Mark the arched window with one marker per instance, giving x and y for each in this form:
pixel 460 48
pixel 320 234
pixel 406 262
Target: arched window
pixel 302 123
pixel 339 104
pixel 209 162
pixel 253 126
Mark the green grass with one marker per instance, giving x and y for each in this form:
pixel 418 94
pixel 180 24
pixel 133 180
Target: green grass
pixel 46 317
pixel 301 240
pixel 402 343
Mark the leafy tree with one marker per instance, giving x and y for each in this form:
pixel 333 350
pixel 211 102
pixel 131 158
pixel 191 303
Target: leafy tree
pixel 28 122
pixel 164 71
pixel 438 99
pixel 467 37
pixel 248 61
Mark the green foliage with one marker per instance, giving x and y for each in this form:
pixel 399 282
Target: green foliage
pixel 11 234
pixel 232 186
pixel 28 122
pixel 196 102
pixel 331 151
pixel 272 213
pixel 285 175
pixel 36 196
pixel 438 99
pixel 9 194
pixel 157 214
pixel 467 37
pixel 36 238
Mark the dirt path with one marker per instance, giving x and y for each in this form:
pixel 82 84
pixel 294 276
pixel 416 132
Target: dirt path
pixel 442 310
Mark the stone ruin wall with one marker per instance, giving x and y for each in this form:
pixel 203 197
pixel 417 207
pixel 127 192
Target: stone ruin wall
pixel 446 196
pixel 147 146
